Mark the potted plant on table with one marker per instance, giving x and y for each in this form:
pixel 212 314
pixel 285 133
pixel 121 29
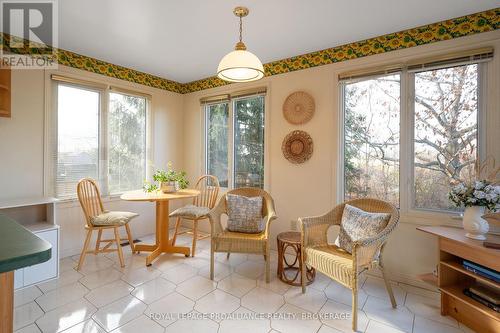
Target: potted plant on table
pixel 477 196
pixel 169 181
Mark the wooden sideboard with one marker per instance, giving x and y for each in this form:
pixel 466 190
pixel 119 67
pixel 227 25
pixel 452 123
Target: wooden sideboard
pixel 453 278
pixel 5 93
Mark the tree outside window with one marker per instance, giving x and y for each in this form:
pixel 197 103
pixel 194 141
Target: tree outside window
pixel 236 129
pixel 444 123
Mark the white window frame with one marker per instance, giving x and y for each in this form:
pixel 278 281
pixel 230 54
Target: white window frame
pixel 406 144
pixel 230 141
pixel 51 137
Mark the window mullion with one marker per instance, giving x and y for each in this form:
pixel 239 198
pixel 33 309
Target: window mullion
pixel 482 122
pixel 103 143
pixel 230 142
pixel 406 143
pixel 205 125
pixel 341 167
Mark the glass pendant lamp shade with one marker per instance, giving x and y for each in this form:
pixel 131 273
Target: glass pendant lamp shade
pixel 240 65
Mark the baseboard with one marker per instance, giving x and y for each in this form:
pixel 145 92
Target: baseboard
pixel 70 252
pixel 393 276
pixel 73 251
pixel 403 278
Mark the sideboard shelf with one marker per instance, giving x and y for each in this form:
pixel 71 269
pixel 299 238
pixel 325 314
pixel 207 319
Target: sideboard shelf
pixel 456 293
pixel 453 278
pixel 459 268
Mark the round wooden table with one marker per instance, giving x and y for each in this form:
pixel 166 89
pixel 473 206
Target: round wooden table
pixel 291 239
pixel 162 244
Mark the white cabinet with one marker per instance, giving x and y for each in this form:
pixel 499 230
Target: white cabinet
pixel 38 216
pixel 46 270
pixel 18 278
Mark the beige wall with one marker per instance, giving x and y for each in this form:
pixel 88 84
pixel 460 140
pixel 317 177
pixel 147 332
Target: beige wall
pixel 311 188
pixel 22 148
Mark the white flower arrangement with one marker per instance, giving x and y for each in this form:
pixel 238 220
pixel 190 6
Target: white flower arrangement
pixel 484 193
pixel 479 193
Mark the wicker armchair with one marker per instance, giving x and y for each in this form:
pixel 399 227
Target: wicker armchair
pixel 338 264
pixel 227 241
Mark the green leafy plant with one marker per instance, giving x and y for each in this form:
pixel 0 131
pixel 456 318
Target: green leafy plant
pixel 170 175
pixel 148 187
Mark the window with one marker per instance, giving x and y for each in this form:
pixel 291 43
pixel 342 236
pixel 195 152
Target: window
pixel 217 141
pixel 445 139
pixel 104 141
pixel 371 144
pixel 434 124
pixel 235 141
pixel 249 142
pixel 127 142
pixel 77 137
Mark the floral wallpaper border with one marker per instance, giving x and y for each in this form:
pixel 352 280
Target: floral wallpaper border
pixel 75 60
pixel 454 28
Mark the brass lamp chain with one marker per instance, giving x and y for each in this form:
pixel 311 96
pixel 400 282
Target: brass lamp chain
pixel 240 12
pixel 241 28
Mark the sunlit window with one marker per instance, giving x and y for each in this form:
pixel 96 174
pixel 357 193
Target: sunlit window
pixel 77 138
pixel 217 141
pixel 127 142
pixel 235 141
pixel 371 153
pixel 446 110
pixel 435 123
pixel 103 142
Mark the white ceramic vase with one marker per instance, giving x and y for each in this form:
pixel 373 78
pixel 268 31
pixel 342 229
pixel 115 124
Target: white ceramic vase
pixel 475 226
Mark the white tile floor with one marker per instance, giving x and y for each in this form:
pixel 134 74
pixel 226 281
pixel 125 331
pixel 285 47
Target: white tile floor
pixel 103 297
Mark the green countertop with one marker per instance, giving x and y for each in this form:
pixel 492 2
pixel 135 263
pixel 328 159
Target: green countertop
pixel 19 247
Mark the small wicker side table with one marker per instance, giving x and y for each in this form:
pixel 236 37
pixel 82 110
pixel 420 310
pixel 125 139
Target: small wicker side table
pixel 291 239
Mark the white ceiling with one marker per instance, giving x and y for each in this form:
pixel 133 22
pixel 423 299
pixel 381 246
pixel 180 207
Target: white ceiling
pixel 184 40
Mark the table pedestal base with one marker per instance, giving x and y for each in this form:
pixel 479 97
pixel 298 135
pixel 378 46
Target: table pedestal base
pixel 163 243
pixel 156 250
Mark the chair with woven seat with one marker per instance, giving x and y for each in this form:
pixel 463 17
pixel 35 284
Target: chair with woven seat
pixel 209 190
pixel 228 242
pixel 338 264
pixel 98 219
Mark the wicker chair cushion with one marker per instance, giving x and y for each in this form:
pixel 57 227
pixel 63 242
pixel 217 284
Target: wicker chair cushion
pixel 112 218
pixel 357 224
pixel 190 211
pixel 332 261
pixel 244 214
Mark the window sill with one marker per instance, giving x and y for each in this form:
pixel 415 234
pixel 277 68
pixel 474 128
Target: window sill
pixel 439 219
pixel 431 218
pixel 73 202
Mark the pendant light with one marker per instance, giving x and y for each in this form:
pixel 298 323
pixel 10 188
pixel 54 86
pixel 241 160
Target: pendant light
pixel 240 65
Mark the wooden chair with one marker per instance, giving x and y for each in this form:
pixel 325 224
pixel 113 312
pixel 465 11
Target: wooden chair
pixel 209 190
pixel 228 241
pixel 91 203
pixel 338 264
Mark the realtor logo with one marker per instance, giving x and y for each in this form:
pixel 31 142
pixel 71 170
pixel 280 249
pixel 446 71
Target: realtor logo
pixel 29 33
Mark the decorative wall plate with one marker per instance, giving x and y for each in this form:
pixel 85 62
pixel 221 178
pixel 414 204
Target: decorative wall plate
pixel 298 108
pixel 297 147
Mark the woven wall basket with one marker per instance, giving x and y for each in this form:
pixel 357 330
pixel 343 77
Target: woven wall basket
pixel 297 147
pixel 298 108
